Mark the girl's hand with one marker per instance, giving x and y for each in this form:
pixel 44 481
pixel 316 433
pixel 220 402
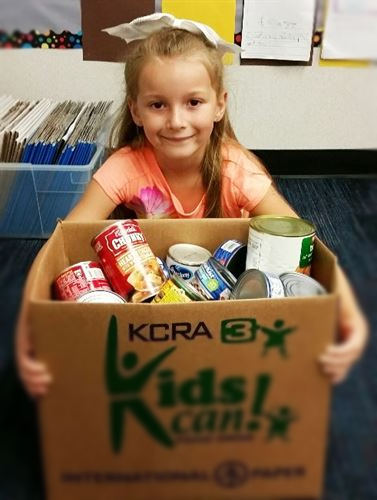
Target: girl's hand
pixel 34 374
pixel 338 359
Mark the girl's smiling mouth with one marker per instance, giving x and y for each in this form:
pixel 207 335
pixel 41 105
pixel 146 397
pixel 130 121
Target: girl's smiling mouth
pixel 177 140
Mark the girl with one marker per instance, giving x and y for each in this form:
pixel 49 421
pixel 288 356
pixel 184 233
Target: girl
pixel 176 155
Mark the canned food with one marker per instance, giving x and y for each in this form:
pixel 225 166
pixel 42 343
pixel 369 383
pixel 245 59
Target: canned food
pixel 79 279
pixel 128 261
pixel 232 255
pixel 300 285
pixel 164 268
pixel 171 294
pixel 214 281
pixel 101 297
pixel 183 259
pixel 256 284
pixel 280 244
pixel 188 288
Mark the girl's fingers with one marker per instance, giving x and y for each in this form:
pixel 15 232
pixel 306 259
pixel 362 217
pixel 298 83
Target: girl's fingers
pixel 37 377
pixel 31 366
pixel 338 377
pixel 338 360
pixel 36 390
pixel 337 374
pixel 350 349
pixel 37 386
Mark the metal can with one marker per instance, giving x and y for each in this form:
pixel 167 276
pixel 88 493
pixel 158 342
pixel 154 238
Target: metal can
pixel 214 281
pixel 79 279
pixel 171 294
pixel 232 255
pixel 184 259
pixel 101 297
pixel 300 285
pixel 188 288
pixel 128 261
pixel 164 268
pixel 256 284
pixel 280 244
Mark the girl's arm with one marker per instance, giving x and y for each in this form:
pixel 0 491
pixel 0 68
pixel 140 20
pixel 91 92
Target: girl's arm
pixel 94 205
pixel 339 358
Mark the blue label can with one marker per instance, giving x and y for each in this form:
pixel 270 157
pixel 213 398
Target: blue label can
pixel 214 281
pixel 232 255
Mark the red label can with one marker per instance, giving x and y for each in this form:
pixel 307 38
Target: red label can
pixel 79 279
pixel 128 261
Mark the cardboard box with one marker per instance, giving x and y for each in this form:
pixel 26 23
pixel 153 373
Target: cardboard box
pixel 212 400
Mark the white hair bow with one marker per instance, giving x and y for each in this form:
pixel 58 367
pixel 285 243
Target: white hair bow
pixel 141 27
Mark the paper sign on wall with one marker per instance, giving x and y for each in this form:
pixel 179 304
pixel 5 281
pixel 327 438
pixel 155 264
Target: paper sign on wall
pixel 350 30
pixel 281 29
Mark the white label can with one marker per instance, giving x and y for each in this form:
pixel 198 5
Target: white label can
pixel 280 244
pixel 184 259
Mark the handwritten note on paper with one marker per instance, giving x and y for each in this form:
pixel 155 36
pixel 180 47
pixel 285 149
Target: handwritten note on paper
pixel 280 29
pixel 350 30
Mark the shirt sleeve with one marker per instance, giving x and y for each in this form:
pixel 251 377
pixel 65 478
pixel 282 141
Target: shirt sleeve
pixel 112 177
pixel 248 179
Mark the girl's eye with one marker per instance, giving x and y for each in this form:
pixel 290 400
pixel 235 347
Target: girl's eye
pixel 194 103
pixel 157 105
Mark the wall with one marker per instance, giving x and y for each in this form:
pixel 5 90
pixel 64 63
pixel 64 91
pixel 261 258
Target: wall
pixel 272 107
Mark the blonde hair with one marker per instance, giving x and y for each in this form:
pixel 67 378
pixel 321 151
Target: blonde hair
pixel 174 42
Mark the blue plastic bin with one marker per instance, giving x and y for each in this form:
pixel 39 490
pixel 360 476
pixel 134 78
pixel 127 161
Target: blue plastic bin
pixel 33 197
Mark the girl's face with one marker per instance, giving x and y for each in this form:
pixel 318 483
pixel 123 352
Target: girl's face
pixel 177 107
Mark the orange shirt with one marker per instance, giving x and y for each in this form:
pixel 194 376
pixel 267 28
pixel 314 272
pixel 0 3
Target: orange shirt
pixel 134 178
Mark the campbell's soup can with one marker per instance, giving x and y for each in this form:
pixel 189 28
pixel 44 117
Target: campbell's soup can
pixel 279 244
pixel 128 261
pixel 101 297
pixel 80 279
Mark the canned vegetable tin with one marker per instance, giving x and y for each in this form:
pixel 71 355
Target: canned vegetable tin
pixel 214 281
pixel 300 285
pixel 280 244
pixel 255 284
pixel 232 255
pixel 128 261
pixel 183 259
pixel 79 279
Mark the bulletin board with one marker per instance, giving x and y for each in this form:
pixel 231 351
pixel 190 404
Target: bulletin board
pixel 345 30
pixel 45 24
pixel 58 24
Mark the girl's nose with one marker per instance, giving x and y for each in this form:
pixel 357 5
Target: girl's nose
pixel 176 118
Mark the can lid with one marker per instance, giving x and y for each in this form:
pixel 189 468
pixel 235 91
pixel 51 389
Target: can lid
pixel 282 225
pixel 252 284
pixel 187 288
pixel 223 272
pixel 301 285
pixel 101 296
pixel 191 255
